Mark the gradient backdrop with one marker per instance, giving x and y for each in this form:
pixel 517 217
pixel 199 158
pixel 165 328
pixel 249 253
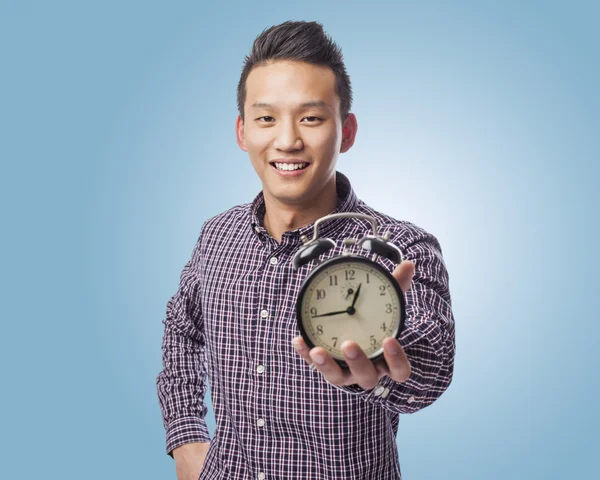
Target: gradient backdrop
pixel 477 121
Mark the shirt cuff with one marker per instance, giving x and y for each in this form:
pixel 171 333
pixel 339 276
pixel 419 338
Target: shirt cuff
pixel 186 430
pixel 355 389
pixel 381 391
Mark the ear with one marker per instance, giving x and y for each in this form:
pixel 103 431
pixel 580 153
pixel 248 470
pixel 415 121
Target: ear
pixel 349 130
pixel 239 133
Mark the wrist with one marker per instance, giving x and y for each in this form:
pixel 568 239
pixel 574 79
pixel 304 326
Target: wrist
pixel 191 449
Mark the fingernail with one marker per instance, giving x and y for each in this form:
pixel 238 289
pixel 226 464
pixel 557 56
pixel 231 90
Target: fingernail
pixel 296 342
pixel 393 348
pixel 318 358
pixel 351 353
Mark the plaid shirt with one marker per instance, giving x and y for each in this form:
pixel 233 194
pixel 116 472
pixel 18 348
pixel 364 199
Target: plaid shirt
pixel 232 321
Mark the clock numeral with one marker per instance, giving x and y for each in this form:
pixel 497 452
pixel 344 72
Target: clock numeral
pixel 383 326
pixel 388 308
pixel 320 294
pixel 319 329
pixel 368 278
pixel 334 340
pixel 313 311
pixel 349 274
pixel 381 289
pixel 373 341
pixel 333 280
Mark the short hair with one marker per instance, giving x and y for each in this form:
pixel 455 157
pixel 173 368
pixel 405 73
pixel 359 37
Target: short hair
pixel 298 41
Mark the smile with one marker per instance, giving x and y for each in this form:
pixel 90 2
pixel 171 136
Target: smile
pixel 290 166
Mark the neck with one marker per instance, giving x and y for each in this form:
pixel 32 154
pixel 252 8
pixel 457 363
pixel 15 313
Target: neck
pixel 281 217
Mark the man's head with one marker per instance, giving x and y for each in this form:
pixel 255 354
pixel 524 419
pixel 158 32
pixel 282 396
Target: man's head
pixel 294 114
pixel 300 42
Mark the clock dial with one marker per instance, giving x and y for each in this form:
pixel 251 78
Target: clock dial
pixel 350 300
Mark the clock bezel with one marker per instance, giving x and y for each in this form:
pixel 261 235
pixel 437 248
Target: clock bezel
pixel 349 259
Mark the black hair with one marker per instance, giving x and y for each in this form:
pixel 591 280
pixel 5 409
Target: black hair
pixel 298 41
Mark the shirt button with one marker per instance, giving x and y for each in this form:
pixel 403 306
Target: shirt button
pixel 260 422
pixel 378 391
pixel 261 476
pixel 411 399
pixel 256 229
pixel 260 369
pixel 273 261
pixel 385 393
pixel 264 314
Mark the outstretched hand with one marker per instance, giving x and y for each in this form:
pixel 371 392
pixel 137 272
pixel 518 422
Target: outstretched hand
pixel 363 371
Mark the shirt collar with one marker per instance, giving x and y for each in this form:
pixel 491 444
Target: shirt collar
pixel 347 202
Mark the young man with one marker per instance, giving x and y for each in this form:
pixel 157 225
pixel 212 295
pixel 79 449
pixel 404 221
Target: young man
pixel 282 411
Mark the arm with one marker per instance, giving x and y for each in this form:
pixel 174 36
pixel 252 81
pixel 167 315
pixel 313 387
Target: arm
pixel 181 385
pixel 189 460
pixel 427 339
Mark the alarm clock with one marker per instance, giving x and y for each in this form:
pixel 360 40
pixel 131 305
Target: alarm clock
pixel 349 296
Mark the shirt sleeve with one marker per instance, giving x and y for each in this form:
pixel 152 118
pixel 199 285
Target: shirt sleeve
pixel 181 385
pixel 428 336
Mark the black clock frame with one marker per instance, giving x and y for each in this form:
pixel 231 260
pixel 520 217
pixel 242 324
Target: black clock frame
pixel 345 259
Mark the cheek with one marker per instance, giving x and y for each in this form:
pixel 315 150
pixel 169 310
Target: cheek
pixel 257 139
pixel 327 146
pixel 326 139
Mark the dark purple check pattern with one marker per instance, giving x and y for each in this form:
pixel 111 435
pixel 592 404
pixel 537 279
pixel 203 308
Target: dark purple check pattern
pixel 232 321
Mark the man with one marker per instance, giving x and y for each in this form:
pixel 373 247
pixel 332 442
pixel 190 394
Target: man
pixel 282 411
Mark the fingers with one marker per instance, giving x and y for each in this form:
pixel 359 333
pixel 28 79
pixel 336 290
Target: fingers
pixel 329 368
pixel 364 372
pixel 302 348
pixel 403 273
pixel 361 370
pixel 396 359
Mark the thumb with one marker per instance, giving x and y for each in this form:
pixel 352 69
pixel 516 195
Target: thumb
pixel 403 273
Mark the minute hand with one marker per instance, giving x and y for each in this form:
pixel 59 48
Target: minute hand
pixel 330 313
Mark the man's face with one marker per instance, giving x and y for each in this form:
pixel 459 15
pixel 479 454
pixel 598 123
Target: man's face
pixel 292 117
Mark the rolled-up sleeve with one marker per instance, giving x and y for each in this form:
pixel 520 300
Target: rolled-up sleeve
pixel 182 383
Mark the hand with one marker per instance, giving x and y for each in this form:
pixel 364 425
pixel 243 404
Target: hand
pixel 363 371
pixel 189 460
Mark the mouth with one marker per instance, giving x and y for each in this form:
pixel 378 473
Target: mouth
pixel 284 167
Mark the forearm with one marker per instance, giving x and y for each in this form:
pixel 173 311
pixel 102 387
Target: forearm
pixel 181 385
pixel 428 338
pixel 190 450
pixel 190 459
pixel 431 355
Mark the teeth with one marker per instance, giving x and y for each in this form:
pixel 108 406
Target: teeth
pixel 290 166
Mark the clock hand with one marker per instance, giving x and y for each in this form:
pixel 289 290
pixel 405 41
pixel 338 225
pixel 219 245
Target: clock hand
pixel 330 313
pixel 356 295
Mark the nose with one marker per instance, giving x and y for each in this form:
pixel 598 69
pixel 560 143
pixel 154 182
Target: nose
pixel 287 137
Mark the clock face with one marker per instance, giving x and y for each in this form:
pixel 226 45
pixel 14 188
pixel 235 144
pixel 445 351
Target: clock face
pixel 350 298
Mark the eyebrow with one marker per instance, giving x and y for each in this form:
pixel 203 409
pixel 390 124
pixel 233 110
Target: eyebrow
pixel 318 103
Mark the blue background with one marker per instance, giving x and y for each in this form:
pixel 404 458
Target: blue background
pixel 477 121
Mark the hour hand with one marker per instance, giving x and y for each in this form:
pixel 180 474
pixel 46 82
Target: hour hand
pixel 356 295
pixel 330 313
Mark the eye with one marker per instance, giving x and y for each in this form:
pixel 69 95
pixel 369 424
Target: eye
pixel 268 119
pixel 313 119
